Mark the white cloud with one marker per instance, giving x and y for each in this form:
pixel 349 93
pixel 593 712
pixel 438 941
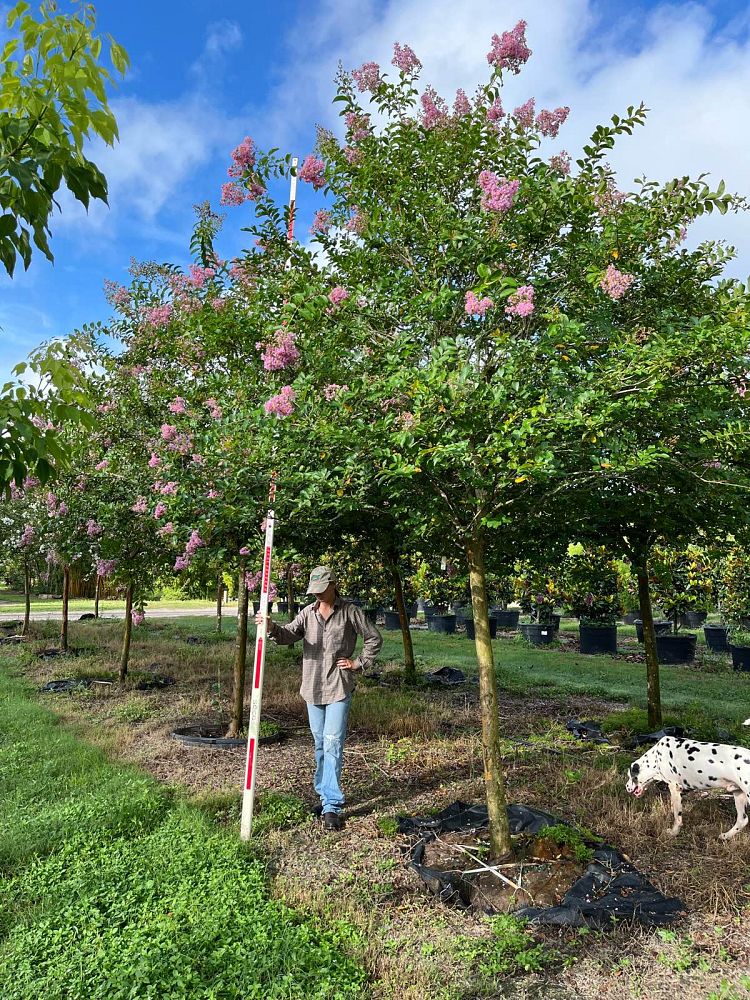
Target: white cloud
pixel 695 80
pixel 222 37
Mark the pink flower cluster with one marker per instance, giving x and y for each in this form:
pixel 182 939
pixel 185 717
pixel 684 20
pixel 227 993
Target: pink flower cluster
pixel 560 162
pixel 160 510
pixel 495 112
pixel 117 295
pixel 313 172
pixel 524 113
pixel 105 407
pixel 137 616
pixel 105 567
pixel 154 462
pixel 338 295
pixel 475 306
pixel 214 410
pixel 358 126
pixel 615 283
pixel 281 405
pixel 168 432
pixel 235 194
pixel 178 405
pixel 461 105
pixel 194 543
pixel 27 537
pixel 213 494
pixel 93 528
pixel 521 302
pixel 405 59
pixel 169 489
pixel 509 50
pixel 167 529
pixel 357 222
pixel 367 77
pixel 101 466
pixel 282 352
pixel 352 155
pixel 159 316
pixel 497 193
pixel 321 222
pixel 200 275
pixel 140 506
pixel 549 122
pixel 434 109
pixel 332 390
pixel 243 158
pixel 252 582
pixel 609 200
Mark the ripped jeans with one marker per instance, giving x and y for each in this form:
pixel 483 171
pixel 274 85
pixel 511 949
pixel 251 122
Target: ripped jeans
pixel 328 726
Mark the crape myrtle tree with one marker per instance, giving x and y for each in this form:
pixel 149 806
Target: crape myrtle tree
pixel 476 335
pixel 22 520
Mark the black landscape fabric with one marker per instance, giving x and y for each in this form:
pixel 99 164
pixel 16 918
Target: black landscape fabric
pixel 610 889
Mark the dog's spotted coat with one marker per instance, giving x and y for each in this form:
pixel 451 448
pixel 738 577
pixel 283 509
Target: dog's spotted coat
pixel 685 764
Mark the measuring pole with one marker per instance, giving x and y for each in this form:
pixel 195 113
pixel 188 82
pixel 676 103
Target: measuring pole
pixel 261 636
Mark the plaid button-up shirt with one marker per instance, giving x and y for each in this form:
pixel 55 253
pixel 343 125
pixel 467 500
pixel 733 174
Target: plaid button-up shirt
pixel 325 642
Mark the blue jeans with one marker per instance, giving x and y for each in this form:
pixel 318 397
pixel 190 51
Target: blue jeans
pixel 328 726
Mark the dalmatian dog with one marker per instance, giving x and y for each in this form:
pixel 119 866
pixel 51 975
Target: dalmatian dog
pixel 685 764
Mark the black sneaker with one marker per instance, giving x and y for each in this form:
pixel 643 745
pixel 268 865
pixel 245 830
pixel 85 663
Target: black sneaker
pixel 332 821
pixel 317 810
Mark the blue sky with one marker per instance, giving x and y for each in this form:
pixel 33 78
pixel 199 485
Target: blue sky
pixel 205 74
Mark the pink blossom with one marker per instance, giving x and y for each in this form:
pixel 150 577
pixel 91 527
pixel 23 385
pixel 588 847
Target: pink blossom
pixel 63 509
pixel 560 162
pixel 27 537
pixel 358 126
pixel 461 105
pixel 105 407
pixel 321 222
pixel 338 295
pixel 615 283
pixel 197 459
pixel 332 390
pixel 51 501
pixel 154 462
pixel 195 542
pixel 117 295
pixel 243 157
pixel 160 510
pixel 200 275
pixel 509 50
pixel 181 562
pixel 434 109
pixel 524 114
pixel 352 155
pixel 313 172
pixel 213 494
pixel 168 432
pixel 405 60
pixel 357 222
pixel 169 489
pixel 159 316
pixel 549 122
pixel 252 580
pixel 93 528
pixel 214 410
pixel 281 405
pixel 181 443
pixel 609 200
pixel 367 77
pixel 495 111
pixel 281 352
pixel 30 482
pixel 101 466
pixel 497 193
pixel 232 194
pixel 245 550
pixel 167 529
pixel 521 302
pixel 105 567
pixel 178 405
pixel 218 303
pixel 475 306
pixel 138 617
pixel 140 506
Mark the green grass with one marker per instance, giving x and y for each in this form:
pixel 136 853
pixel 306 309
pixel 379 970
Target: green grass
pixel 113 888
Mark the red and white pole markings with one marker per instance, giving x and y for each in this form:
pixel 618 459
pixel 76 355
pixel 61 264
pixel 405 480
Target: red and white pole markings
pixel 261 637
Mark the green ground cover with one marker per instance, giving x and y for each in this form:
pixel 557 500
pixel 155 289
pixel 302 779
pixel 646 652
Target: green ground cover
pixel 114 888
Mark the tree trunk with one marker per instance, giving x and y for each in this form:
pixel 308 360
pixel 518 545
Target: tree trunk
pixel 27 597
pixel 219 597
pixel 410 668
pixel 97 595
pixel 240 658
pixel 649 642
pixel 64 622
pixel 497 806
pixel 290 592
pixel 128 631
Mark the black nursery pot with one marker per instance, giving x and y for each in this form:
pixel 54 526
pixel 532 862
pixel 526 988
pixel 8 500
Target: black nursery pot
pixel 676 648
pixel 392 620
pixel 661 628
pixel 598 639
pixel 471 633
pixel 694 619
pixel 538 635
pixel 442 623
pixel 740 658
pixel 716 638
pixel 283 607
pixel 506 619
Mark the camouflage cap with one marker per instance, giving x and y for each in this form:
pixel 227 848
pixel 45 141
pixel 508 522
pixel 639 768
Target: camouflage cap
pixel 320 577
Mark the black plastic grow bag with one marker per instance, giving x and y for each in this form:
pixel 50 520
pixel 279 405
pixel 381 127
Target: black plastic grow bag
pixel 610 889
